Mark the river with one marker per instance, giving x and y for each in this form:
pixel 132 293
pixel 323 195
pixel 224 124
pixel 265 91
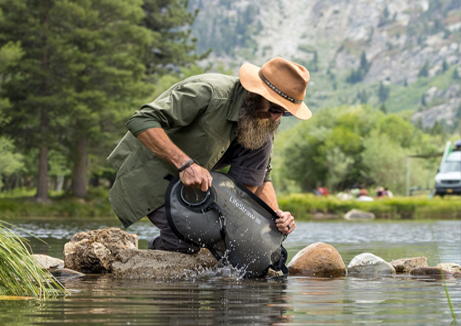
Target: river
pixel 219 300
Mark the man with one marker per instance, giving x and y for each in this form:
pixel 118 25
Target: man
pixel 200 124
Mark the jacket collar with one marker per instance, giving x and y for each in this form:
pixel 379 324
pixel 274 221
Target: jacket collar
pixel 239 94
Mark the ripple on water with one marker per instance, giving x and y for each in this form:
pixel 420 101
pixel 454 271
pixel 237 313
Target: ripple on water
pixel 220 296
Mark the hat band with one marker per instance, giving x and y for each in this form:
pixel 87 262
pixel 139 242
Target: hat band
pixel 278 91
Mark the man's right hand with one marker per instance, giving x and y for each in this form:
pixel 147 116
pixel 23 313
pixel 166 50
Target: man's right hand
pixel 157 141
pixel 196 177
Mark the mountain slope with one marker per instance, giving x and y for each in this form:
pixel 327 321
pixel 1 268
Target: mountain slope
pixel 349 46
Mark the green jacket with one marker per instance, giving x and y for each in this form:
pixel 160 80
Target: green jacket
pixel 199 115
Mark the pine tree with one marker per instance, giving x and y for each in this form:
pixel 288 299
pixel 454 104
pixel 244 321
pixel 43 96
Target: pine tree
pixel 364 62
pixel 81 65
pixel 32 86
pixel 424 72
pixel 103 72
pixel 174 48
pixel 444 65
pixel 383 92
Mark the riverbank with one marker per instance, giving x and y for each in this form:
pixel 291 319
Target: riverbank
pixel 21 204
pixel 302 206
pixel 309 206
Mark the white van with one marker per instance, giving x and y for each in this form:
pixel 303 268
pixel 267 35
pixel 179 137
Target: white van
pixel 448 178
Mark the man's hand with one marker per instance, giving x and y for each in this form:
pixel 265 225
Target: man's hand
pixel 196 177
pixel 285 223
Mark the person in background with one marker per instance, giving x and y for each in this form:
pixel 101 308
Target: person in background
pixel 388 193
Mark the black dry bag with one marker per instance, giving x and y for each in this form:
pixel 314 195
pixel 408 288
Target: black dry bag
pixel 228 220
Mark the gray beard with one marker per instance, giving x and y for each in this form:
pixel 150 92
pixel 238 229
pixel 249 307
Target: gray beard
pixel 254 131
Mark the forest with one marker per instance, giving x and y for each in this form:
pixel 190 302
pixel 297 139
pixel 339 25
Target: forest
pixel 73 71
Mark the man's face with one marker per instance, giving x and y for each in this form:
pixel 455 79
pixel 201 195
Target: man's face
pixel 270 111
pixel 258 120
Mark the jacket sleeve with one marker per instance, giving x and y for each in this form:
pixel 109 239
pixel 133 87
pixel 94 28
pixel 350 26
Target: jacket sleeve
pixel 177 107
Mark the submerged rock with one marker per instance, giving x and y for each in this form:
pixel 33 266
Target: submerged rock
pixel 65 272
pixel 94 251
pixel 405 265
pixel 368 264
pixel 356 215
pixel 434 273
pixel 159 264
pixel 318 259
pixel 49 263
pixel 451 267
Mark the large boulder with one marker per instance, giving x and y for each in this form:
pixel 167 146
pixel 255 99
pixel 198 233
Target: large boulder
pixel 318 259
pixel 94 251
pixel 367 264
pixel 405 265
pixel 158 264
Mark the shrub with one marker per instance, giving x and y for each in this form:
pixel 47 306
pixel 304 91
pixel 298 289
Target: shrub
pixel 303 206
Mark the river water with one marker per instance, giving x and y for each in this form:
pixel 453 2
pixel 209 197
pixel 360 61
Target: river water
pixel 220 300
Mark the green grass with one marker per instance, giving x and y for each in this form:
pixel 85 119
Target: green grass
pixel 20 273
pixel 304 206
pixel 96 205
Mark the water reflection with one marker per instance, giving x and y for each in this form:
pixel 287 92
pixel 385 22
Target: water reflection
pixel 176 303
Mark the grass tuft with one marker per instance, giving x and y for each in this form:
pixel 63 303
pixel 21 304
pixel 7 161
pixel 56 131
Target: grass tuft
pixel 20 274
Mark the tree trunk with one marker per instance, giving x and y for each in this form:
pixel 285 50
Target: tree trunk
pixel 59 183
pixel 42 182
pixel 79 172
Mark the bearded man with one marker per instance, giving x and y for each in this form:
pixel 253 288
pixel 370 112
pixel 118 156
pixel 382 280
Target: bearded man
pixel 201 124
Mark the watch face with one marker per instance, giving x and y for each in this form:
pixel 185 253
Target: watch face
pixel 194 197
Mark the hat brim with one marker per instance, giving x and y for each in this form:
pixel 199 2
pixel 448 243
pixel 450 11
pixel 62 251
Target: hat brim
pixel 250 80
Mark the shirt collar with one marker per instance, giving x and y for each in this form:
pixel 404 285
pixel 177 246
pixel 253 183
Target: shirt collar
pixel 239 94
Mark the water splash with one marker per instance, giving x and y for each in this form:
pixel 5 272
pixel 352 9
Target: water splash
pixel 222 271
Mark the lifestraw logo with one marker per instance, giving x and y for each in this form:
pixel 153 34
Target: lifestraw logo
pixel 241 207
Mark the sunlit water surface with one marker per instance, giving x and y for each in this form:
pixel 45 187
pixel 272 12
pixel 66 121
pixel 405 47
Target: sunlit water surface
pixel 221 300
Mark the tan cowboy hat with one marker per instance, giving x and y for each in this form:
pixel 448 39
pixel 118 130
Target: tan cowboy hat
pixel 279 81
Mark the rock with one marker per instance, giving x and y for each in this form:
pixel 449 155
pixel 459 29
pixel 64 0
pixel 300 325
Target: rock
pixel 318 259
pixel 357 215
pixel 96 258
pixel 49 263
pixel 94 251
pixel 273 274
pixel 405 265
pixel 434 273
pixel 325 216
pixel 451 267
pixel 159 264
pixel 65 272
pixel 369 264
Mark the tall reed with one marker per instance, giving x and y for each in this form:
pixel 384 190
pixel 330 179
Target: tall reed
pixel 20 273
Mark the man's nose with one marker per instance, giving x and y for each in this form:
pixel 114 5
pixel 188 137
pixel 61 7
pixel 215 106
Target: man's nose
pixel 275 116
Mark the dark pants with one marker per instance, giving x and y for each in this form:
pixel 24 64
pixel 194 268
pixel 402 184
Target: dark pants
pixel 248 167
pixel 167 240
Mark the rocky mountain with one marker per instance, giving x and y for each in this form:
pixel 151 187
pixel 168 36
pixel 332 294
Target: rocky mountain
pixel 347 45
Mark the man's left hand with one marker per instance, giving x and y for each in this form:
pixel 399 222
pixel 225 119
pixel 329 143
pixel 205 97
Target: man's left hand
pixel 285 223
